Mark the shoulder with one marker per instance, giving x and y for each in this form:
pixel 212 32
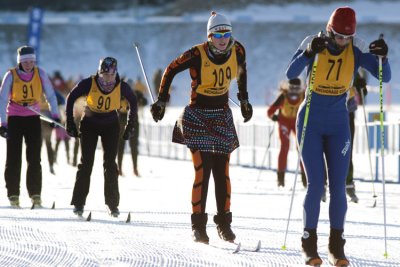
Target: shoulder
pixel 360 44
pixel 239 48
pixel 42 72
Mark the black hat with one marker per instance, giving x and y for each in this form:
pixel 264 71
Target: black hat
pixel 108 64
pixel 25 53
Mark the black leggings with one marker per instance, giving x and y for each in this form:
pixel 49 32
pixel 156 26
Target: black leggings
pixel 109 138
pixel 20 128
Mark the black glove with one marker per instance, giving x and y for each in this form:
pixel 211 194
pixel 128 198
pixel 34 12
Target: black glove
pixel 157 110
pixel 54 125
pixel 378 48
pixel 128 131
pixel 361 84
pixel 317 45
pixel 275 117
pixel 3 132
pixel 246 109
pixel 71 128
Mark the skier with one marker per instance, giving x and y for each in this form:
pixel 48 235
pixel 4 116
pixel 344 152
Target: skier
pixel 21 90
pixel 340 54
pixel 287 104
pixel 138 88
pixel 206 126
pixel 103 93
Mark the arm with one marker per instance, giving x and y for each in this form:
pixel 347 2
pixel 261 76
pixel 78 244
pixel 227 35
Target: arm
pixel 370 62
pixel 82 88
pixel 179 64
pixel 5 90
pixel 275 106
pixel 299 60
pixel 127 92
pixel 49 92
pixel 242 71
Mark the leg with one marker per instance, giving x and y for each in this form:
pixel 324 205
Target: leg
pixel 109 140
pixel 134 144
pixel 88 141
pixel 121 141
pixel 66 143
pixel 33 141
pixel 76 149
pixel 223 219
pixel 350 187
pixel 12 173
pixel 202 166
pixel 284 134
pixel 58 141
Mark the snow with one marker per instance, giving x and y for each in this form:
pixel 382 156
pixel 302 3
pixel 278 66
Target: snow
pixel 159 233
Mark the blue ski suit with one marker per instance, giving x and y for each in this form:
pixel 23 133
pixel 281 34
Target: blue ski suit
pixel 327 130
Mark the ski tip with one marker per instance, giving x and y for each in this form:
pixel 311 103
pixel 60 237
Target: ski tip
pixel 237 249
pixel 374 205
pixel 128 219
pixel 258 246
pixel 33 206
pixel 54 205
pixel 283 247
pixel 136 44
pixel 89 217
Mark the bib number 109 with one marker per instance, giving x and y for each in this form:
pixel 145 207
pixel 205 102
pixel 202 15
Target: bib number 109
pixel 220 75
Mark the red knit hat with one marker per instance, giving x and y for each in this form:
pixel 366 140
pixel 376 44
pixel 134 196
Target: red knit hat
pixel 343 21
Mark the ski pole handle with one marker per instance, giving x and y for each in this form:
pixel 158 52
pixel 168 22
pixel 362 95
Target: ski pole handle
pixel 136 45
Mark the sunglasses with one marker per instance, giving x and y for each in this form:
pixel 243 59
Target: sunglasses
pixel 342 36
pixel 219 35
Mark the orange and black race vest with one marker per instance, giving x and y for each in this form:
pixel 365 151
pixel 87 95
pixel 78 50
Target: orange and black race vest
pixel 26 92
pixel 100 102
pixel 216 79
pixel 334 74
pixel 289 110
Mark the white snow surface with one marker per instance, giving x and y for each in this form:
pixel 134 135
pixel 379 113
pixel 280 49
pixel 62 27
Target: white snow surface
pixel 159 233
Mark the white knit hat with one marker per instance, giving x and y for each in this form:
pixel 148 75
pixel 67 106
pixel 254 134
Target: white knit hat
pixel 25 53
pixel 218 22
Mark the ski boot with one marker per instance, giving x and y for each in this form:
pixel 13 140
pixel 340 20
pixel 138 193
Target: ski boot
pixel 336 248
pixel 323 197
pixel 14 201
pixel 36 201
pixel 304 179
pixel 281 179
pixel 199 233
pixel 78 210
pixel 223 222
pixel 309 245
pixel 351 192
pixel 113 211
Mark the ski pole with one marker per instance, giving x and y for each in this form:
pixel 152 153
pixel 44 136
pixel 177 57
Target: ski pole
pixel 44 117
pixel 382 146
pixel 136 45
pixel 266 151
pixel 369 151
pixel 234 102
pixel 303 133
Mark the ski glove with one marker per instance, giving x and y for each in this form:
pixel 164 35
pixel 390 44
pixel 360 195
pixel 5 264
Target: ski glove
pixel 71 128
pixel 317 45
pixel 157 110
pixel 3 132
pixel 379 48
pixel 274 117
pixel 361 84
pixel 128 131
pixel 246 109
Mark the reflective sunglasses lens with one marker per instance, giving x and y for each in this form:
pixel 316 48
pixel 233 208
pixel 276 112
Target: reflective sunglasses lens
pixel 218 35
